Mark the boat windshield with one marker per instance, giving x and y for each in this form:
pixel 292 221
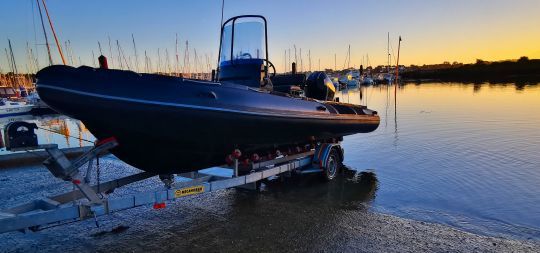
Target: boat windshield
pixel 248 41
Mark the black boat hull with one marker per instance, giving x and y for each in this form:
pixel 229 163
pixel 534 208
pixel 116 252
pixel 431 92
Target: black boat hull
pixel 173 136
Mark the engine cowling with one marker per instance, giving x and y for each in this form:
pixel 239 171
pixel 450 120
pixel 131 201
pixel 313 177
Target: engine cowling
pixel 320 87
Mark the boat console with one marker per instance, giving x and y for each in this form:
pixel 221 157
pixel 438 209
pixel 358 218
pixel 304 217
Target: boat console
pixel 243 59
pixel 243 55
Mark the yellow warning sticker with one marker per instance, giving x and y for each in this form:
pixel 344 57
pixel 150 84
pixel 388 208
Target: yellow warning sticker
pixel 189 191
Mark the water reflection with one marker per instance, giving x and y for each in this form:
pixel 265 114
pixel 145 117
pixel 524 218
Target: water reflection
pixel 58 129
pixel 351 190
pixel 464 154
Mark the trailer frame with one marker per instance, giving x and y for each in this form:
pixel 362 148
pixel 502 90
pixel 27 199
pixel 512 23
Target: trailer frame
pixel 90 201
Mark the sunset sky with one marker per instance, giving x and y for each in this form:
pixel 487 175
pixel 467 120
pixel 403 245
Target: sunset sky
pixel 432 31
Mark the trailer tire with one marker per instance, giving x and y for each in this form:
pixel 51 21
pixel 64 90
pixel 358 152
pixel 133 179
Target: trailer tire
pixel 333 164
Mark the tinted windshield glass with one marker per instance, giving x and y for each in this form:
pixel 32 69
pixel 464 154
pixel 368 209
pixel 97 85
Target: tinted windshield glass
pixel 248 41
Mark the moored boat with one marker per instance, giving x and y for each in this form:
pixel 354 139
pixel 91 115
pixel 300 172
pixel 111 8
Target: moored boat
pixel 10 108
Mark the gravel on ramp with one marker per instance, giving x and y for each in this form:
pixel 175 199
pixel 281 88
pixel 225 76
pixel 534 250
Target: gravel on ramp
pixel 297 215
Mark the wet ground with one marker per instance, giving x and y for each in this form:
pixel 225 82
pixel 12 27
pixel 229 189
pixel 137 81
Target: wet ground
pixel 299 214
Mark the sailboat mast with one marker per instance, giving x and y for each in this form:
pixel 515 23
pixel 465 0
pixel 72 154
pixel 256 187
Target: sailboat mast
pixel 45 34
pixel 349 57
pixel 295 56
pixel 301 61
pixel 30 68
pixel 110 51
pixel 14 68
pixel 9 65
pixel 397 62
pixel 388 54
pixel 145 62
pixel 119 56
pixel 186 60
pixel 67 53
pixel 195 63
pixel 15 71
pixel 289 65
pixel 54 33
pixel 99 46
pixel 285 62
pixel 309 55
pixel 136 55
pixel 176 54
pixel 167 62
pixel 71 53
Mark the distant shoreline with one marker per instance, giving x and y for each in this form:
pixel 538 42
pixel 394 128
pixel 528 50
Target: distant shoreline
pixel 521 71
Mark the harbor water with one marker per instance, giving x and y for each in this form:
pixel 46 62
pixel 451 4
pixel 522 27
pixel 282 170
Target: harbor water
pixel 464 155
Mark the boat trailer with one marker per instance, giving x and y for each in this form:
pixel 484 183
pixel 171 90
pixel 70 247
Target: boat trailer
pixel 89 201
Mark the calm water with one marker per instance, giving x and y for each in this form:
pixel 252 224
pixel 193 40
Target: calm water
pixel 463 155
pixel 62 130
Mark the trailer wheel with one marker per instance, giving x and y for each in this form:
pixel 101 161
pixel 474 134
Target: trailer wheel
pixel 333 163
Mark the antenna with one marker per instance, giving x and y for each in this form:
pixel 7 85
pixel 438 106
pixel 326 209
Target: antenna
pixel 222 8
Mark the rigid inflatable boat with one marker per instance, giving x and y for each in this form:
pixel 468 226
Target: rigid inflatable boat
pixel 167 124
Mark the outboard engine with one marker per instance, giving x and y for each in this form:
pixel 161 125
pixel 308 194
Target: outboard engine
pixel 320 87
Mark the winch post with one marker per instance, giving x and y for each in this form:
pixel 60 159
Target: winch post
pixel 235 167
